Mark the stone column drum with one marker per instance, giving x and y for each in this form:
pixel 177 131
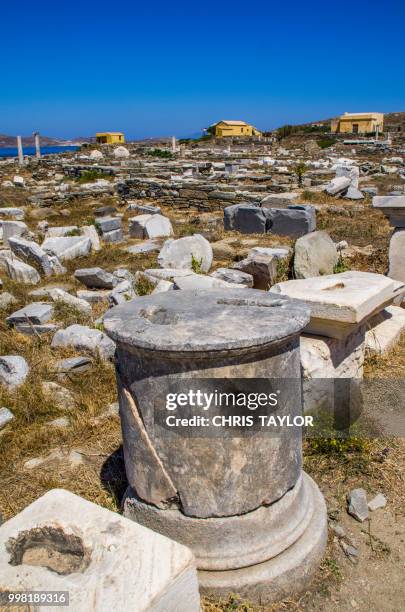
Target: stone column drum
pixel 255 522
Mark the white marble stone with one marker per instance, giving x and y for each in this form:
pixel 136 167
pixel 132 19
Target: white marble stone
pixel 116 564
pixel 340 302
pixel 385 330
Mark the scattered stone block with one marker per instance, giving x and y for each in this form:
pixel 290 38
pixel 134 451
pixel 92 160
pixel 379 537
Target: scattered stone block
pixel 393 208
pixel 62 397
pixel 396 255
pixel 93 296
pixel 236 277
pixel 150 226
pixel 59 295
pixel 200 281
pixel 357 504
pixel 379 501
pixel 262 267
pixel 13 370
pixel 62 542
pixel 114 236
pixel 96 278
pixel 13 228
pixel 384 330
pixel 353 194
pixel 340 302
pixel 163 285
pixel 279 200
pixel 314 255
pixel 90 232
pixel 7 299
pixel 9 211
pixel 244 218
pixel 35 313
pixel 147 209
pixel 73 365
pixel 182 252
pixel 60 232
pixel 144 247
pixel 338 185
pixel 292 221
pixel 31 251
pixel 107 224
pixel 68 247
pixel 82 338
pixel 21 272
pixel 121 153
pixel 6 416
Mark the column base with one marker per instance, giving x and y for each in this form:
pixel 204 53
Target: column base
pixel 264 555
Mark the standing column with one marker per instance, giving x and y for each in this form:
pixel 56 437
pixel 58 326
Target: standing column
pixel 20 151
pixel 37 145
pixel 174 148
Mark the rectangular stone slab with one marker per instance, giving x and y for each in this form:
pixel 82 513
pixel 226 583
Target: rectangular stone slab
pixel 340 302
pixel 114 563
pixel 393 208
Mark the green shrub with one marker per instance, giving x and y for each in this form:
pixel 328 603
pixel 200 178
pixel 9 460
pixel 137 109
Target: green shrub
pixel 90 176
pixel 326 142
pixel 162 153
pixel 196 264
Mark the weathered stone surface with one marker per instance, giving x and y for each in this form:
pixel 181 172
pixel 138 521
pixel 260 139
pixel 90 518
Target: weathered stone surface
pixel 163 285
pixel 350 171
pixel 338 185
pixel 262 267
pixel 162 576
pixel 60 295
pixel 144 247
pixel 277 252
pixel 61 396
pixel 90 232
pixel 396 255
pixel 21 272
pixel 121 293
pixel 6 416
pixel 85 338
pixel 8 211
pixel 279 200
pixel 292 221
pixel 393 208
pixel 182 334
pixel 244 218
pixel 200 281
pixel 353 194
pixel 147 209
pixel 36 313
pixel 233 276
pixel 13 228
pixel 181 253
pixel 357 504
pixel 96 278
pixel 379 501
pixel 116 235
pixel 315 255
pixel 13 370
pixel 340 302
pixel 384 330
pixel 31 251
pixel 59 232
pixel 107 224
pixel 73 365
pixel 121 153
pixel 68 247
pixel 150 226
pixel 93 296
pixel 7 299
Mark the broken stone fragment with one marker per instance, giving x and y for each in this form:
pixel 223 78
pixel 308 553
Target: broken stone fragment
pixel 186 252
pixel 35 313
pixel 314 255
pixel 6 416
pixel 357 504
pixel 96 278
pixel 13 370
pixel 379 501
pixel 81 337
pixel 233 276
pixel 68 247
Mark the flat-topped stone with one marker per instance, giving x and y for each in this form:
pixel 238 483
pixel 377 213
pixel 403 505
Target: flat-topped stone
pixel 393 207
pixel 198 320
pixel 62 542
pixel 340 302
pixel 35 313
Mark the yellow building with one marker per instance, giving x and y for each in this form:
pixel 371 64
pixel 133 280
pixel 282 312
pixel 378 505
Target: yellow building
pixel 110 138
pixel 233 128
pixel 358 123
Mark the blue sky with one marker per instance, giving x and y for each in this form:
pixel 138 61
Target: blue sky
pixel 72 68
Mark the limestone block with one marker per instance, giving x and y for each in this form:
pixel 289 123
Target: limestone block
pixel 338 185
pixel 68 247
pixel 13 370
pixel 13 228
pixel 384 330
pixel 181 253
pixel 36 313
pixel 292 221
pixel 244 218
pixel 96 278
pixel 314 255
pixel 21 272
pixel 263 268
pixel 236 277
pixel 393 208
pixel 150 226
pixel 81 337
pixel 62 542
pixel 340 302
pixel 396 255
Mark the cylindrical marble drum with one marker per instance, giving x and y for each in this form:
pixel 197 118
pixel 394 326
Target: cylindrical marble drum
pixel 238 501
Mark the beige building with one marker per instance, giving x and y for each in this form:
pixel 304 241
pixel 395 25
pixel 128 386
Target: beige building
pixel 358 123
pixel 233 128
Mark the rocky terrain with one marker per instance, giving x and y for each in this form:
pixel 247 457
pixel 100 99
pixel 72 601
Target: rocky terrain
pixel 83 232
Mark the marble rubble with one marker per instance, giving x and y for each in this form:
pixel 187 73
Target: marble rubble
pixel 97 558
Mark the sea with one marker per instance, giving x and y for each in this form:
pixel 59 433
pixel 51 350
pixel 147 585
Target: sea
pixel 13 151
